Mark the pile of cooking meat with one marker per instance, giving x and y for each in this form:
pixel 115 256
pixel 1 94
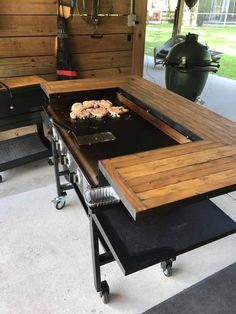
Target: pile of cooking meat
pixel 95 109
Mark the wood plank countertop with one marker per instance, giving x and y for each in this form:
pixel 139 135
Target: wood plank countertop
pixel 21 81
pixel 167 176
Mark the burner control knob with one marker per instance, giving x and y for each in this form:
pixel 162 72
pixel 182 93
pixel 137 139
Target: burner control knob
pixel 63 160
pixel 69 158
pixel 79 176
pixel 54 134
pixel 60 145
pixel 56 144
pixel 73 178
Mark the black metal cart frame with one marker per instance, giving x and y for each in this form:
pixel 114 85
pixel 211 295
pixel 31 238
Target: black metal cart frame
pixel 96 233
pixel 103 229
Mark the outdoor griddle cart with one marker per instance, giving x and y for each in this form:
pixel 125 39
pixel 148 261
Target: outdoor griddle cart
pixel 21 100
pixel 145 178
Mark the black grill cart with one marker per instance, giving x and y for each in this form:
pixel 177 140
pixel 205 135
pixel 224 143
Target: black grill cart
pixel 21 101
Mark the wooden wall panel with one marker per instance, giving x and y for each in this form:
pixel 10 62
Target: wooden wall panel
pixel 104 72
pixel 31 7
pixel 115 7
pixel 17 25
pixel 110 55
pixel 109 25
pixel 102 60
pixel 105 6
pixel 10 67
pixel 111 42
pixel 28 31
pixel 26 46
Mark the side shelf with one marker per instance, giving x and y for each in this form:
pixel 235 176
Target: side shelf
pixel 156 238
pixel 160 236
pixel 21 150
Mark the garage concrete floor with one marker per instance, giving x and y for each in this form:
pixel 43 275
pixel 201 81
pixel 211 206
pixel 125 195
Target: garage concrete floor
pixel 45 257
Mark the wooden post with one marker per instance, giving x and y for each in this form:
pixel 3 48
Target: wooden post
pixel 179 12
pixel 139 37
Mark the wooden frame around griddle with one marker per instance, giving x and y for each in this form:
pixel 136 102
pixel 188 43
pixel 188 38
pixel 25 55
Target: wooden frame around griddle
pixel 172 175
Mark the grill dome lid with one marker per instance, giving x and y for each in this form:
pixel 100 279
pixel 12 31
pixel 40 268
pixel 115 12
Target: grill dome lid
pixel 189 53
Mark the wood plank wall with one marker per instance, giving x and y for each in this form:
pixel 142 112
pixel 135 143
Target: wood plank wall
pixel 28 31
pixel 27 37
pixel 115 53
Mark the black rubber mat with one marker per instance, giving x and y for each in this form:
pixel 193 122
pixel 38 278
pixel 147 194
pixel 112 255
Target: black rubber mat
pixel 213 295
pixel 20 150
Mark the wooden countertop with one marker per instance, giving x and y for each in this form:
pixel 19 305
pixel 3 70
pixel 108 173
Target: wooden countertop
pixel 169 175
pixel 57 87
pixel 22 81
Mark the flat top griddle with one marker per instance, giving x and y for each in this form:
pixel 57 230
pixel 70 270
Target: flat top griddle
pixel 132 133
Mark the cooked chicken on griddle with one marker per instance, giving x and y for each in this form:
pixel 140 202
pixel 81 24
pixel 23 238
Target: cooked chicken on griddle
pixel 77 106
pixel 90 104
pixel 105 104
pixel 73 115
pixel 83 114
pixel 99 112
pixel 117 111
pixel 95 108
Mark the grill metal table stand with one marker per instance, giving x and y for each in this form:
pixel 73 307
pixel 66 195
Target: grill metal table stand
pixel 60 200
pixel 98 259
pixel 160 233
pixel 167 229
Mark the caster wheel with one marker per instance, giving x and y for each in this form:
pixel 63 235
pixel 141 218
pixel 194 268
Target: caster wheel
pixel 1 179
pixel 50 161
pixel 104 294
pixel 59 202
pixel 105 297
pixel 167 267
pixel 168 271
